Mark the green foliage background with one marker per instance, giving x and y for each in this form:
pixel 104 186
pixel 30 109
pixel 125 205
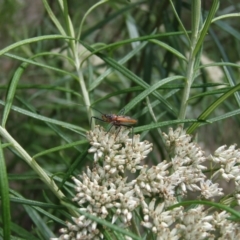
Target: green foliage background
pixel 60 60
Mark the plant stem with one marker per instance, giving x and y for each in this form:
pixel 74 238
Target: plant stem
pixel 34 165
pixel 190 75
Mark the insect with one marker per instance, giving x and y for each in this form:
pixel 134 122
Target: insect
pixel 116 120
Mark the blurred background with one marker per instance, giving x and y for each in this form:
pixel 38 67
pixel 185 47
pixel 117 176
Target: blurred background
pixel 57 95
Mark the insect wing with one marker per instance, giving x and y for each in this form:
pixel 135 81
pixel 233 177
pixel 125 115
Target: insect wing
pixel 111 124
pixel 125 120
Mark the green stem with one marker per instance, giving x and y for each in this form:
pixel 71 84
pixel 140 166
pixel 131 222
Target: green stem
pixel 34 165
pixel 77 62
pixel 187 88
pixel 196 13
pixel 84 89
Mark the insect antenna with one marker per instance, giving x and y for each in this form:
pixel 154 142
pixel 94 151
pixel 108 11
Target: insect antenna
pixel 99 119
pixel 96 110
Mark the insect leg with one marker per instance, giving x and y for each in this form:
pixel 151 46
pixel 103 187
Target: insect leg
pixel 110 128
pixel 99 119
pixel 119 126
pixel 132 136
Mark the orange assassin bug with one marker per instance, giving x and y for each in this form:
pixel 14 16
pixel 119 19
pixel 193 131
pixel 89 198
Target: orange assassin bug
pixel 116 120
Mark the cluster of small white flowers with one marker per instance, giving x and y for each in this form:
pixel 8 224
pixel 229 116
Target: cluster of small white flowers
pixel 156 181
pixel 102 194
pixel 82 228
pixel 196 224
pixel 120 152
pixel 187 158
pixel 227 229
pixel 161 221
pixel 103 191
pixel 228 160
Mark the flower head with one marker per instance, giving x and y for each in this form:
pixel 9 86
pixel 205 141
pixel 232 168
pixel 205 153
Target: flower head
pixel 119 185
pixel 118 151
pixel 228 159
pixel 102 190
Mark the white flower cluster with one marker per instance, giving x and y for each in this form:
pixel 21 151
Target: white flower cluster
pixel 228 160
pixel 103 190
pixel 187 158
pixel 116 157
pixel 107 190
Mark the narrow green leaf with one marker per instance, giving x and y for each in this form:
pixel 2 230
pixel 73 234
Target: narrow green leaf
pixel 46 119
pixel 132 28
pixel 208 203
pixel 224 116
pixel 38 221
pixel 232 84
pixel 68 22
pixel 4 192
pixel 179 21
pixel 39 206
pixel 86 14
pixel 219 64
pixel 26 60
pixel 162 124
pixel 206 26
pixel 128 74
pixel 212 107
pixel 33 203
pixel 122 61
pixel 31 40
pixel 114 45
pixel 53 17
pixel 168 48
pixel 64 136
pixel 60 148
pixel 76 164
pixel 11 92
pixel 112 16
pixel 22 233
pixel 228 29
pixel 195 20
pixel 150 90
pixel 207 93
pixel 42 227
pixel 14 83
pixel 229 15
pixel 126 90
